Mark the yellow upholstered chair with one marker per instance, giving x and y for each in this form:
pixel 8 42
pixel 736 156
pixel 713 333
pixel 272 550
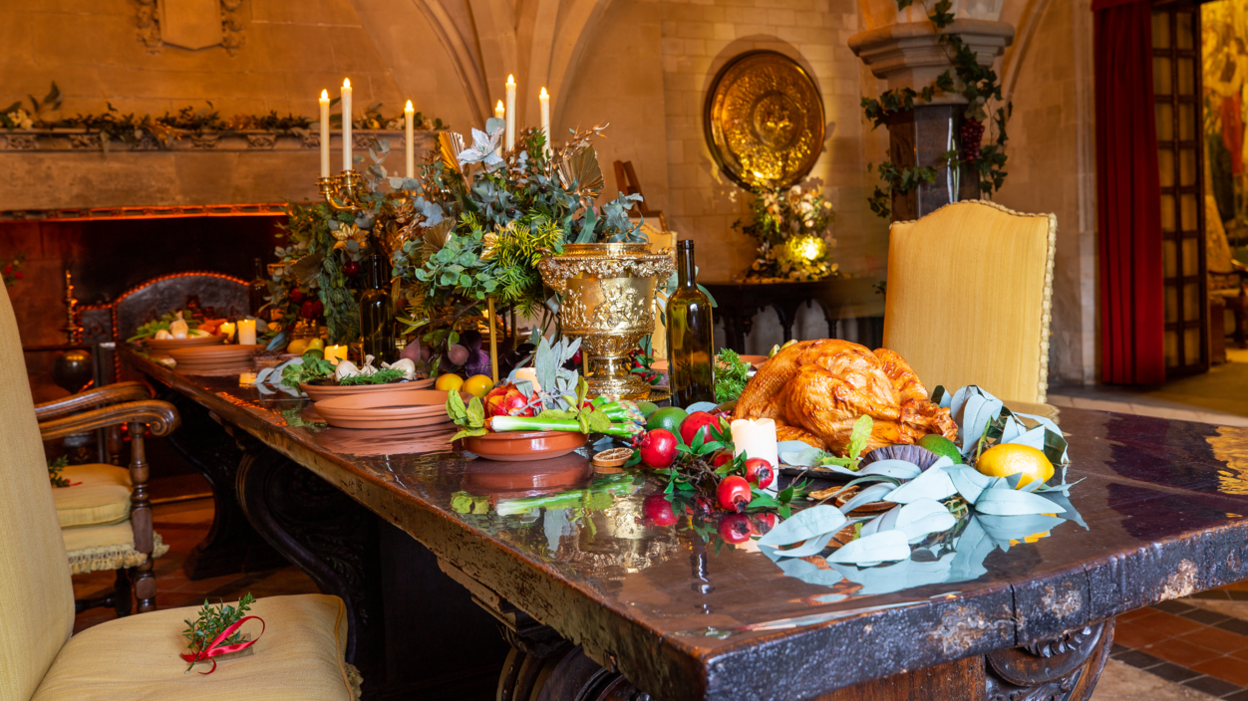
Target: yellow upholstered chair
pixel 969 295
pixel 95 509
pixel 299 657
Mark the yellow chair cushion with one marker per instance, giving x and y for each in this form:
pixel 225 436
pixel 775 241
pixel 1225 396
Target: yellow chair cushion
pixel 101 497
pixel 299 658
pixel 111 547
pixel 968 298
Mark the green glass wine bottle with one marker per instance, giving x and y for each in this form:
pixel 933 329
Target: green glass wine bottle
pixel 377 315
pixel 690 335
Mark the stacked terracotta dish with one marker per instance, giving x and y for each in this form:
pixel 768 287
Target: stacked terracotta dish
pixel 213 360
pixel 421 409
pixel 319 392
pixel 168 344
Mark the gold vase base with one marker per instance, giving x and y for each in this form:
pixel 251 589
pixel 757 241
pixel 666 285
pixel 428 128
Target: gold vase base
pixel 632 387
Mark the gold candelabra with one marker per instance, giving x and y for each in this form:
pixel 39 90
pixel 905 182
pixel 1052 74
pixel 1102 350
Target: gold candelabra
pixel 340 191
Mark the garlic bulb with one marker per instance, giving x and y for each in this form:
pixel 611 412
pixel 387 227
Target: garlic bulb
pixel 403 365
pixel 178 327
pixel 346 368
pixel 368 368
pixel 199 333
pixel 163 335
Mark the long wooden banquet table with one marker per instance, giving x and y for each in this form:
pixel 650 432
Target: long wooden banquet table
pixel 596 602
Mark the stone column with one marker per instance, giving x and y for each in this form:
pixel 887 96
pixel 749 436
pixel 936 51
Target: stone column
pixel 902 48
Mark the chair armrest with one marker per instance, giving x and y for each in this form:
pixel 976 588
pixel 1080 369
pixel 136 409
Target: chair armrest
pixel 1237 267
pixel 109 394
pixel 160 417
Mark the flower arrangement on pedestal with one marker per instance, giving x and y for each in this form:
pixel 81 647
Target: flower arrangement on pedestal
pixel 793 229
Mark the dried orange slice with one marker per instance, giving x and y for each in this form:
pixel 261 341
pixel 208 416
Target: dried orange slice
pixel 614 457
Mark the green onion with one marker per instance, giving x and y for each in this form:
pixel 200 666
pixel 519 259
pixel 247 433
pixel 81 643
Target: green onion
pixel 538 423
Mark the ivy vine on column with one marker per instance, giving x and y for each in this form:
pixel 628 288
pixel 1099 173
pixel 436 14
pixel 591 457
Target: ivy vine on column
pixel 978 84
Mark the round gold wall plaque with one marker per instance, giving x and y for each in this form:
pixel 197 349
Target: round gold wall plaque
pixel 764 120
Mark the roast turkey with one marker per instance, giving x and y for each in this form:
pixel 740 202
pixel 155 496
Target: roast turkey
pixel 816 390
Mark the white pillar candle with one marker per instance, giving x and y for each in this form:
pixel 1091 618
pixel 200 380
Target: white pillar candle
pixel 335 354
pixel 409 145
pixel 324 133
pixel 347 164
pixel 227 329
pixel 246 332
pixel 529 374
pixel 500 112
pixel 511 112
pixel 757 439
pixel 544 99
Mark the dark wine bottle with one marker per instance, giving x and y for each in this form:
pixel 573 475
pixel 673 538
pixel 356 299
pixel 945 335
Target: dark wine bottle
pixel 690 335
pixel 377 315
pixel 257 289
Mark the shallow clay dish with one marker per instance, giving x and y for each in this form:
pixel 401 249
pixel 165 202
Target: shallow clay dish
pixel 320 392
pixel 413 408
pixel 165 344
pixel 492 477
pixel 204 355
pixel 516 446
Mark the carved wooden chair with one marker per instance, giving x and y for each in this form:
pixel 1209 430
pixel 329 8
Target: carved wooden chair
pixel 969 298
pixel 301 657
pixel 105 513
pixel 1227 281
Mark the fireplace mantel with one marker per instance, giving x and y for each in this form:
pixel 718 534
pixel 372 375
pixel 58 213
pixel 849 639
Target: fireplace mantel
pixel 72 169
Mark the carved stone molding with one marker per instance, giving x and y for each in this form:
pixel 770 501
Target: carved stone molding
pixel 21 142
pixel 261 141
pixel 82 142
pixel 148 22
pixel 183 140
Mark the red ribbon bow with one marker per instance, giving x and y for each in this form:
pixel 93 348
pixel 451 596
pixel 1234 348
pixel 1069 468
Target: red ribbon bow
pixel 215 648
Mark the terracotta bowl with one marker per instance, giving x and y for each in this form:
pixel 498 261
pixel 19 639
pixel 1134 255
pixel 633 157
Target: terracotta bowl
pixel 319 392
pixel 491 477
pixel 516 446
pixel 171 343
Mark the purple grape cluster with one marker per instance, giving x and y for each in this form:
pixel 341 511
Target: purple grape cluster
pixel 972 134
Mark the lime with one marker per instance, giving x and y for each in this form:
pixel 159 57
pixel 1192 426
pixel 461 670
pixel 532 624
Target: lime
pixel 941 446
pixel 669 418
pixel 315 353
pixel 478 385
pixel 314 344
pixel 647 408
pixel 449 382
pixel 1006 459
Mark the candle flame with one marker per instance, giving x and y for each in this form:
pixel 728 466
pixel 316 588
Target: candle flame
pixel 545 95
pixel 511 81
pixel 409 107
pixel 346 83
pixel 499 107
pixel 324 95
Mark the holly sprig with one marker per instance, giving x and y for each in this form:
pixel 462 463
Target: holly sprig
pixel 211 622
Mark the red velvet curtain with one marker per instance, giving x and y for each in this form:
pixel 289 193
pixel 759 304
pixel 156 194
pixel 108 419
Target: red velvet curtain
pixel 1128 195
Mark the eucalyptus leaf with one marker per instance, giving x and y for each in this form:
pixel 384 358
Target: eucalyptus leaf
pixel 808 457
pixel 969 482
pixel 813 546
pixel 874 493
pixel 808 572
pixel 922 517
pixel 898 469
pixel 1010 502
pixel 706 406
pixel 1004 529
pixel 885 546
pixel 934 483
pixel 804 525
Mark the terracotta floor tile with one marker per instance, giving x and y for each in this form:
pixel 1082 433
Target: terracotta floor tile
pixel 1172 625
pixel 1136 615
pixel 1135 634
pixel 1217 639
pixel 1182 652
pixel 1225 668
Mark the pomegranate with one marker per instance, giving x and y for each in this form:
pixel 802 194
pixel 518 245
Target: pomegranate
pixel 657 509
pixel 311 309
pixel 297 296
pixel 734 528
pixel 658 448
pixel 507 400
pixel 351 268
pixel 758 471
pixel 699 422
pixel 720 458
pixel 733 493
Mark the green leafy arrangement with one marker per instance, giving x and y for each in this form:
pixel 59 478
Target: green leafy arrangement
pixel 313 368
pixel 12 269
pixel 978 84
pixel 212 621
pixel 149 329
pixel 313 265
pixel 731 374
pixel 792 228
pixel 55 467
pixel 381 377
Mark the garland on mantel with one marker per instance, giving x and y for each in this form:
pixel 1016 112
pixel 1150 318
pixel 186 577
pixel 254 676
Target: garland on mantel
pixel 978 84
pixel 164 131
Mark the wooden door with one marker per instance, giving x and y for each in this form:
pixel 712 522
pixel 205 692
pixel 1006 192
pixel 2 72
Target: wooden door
pixel 1176 85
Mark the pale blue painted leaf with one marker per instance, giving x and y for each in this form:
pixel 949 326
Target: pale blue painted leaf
pixel 968 481
pixel 1055 442
pixel 807 457
pixel 792 447
pixel 977 412
pixel 898 469
pixel 885 546
pixel 705 406
pixel 884 521
pixel 876 492
pixel 809 573
pixel 931 522
pixel 973 546
pixel 1063 500
pixel 934 483
pixel 813 546
pixel 1003 529
pixel 906 574
pixel 1010 502
pixel 804 525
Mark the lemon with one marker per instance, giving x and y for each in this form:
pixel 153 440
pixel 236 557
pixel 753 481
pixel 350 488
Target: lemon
pixel 297 346
pixel 941 446
pixel 449 382
pixel 1011 459
pixel 314 344
pixel 478 385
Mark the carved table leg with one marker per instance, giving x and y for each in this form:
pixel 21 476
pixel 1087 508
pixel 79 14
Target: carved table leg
pixel 231 545
pixel 1064 669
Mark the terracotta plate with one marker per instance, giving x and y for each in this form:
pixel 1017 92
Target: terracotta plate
pixel 171 343
pixel 213 354
pixel 513 446
pixel 489 477
pixel 320 392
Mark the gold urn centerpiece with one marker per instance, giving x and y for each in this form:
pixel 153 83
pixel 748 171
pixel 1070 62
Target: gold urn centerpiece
pixel 608 292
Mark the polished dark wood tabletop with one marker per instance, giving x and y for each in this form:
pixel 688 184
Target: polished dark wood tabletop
pixel 1158 514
